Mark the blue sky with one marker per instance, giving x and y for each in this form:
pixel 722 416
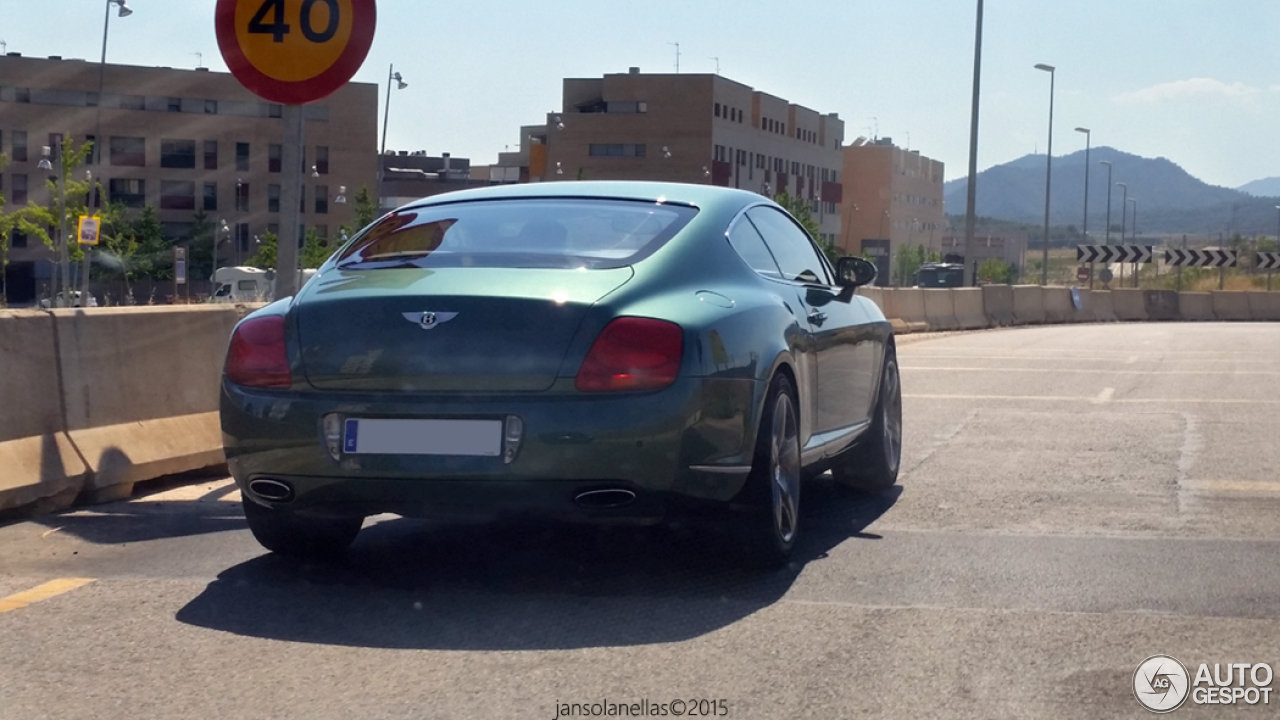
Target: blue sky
pixel 1196 81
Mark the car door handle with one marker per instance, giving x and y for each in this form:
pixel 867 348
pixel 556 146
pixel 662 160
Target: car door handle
pixel 817 317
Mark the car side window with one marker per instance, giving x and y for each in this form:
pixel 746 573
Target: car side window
pixel 791 247
pixel 750 246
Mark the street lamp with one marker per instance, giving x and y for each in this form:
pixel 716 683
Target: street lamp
pixel 1124 214
pixel 46 163
pixel 398 79
pixel 1088 140
pixel 1048 174
pixel 970 247
pixel 1277 245
pixel 1108 164
pixel 1135 238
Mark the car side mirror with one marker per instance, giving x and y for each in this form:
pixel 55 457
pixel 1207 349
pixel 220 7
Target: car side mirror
pixel 852 272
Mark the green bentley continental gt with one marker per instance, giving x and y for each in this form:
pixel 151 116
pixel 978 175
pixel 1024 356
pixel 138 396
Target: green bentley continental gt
pixel 600 352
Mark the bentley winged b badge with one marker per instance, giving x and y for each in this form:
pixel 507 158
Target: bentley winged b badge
pixel 429 320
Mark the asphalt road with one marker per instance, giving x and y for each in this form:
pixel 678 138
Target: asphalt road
pixel 1074 500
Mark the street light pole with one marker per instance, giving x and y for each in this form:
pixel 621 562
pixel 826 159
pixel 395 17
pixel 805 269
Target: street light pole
pixel 1108 235
pixel 1124 214
pixel 1277 245
pixel 123 11
pixel 1048 175
pixel 1084 226
pixel 1135 238
pixel 970 246
pixel 392 76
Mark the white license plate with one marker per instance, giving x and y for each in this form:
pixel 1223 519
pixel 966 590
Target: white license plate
pixel 477 438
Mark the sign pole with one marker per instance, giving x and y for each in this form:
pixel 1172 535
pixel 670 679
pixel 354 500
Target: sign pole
pixel 290 199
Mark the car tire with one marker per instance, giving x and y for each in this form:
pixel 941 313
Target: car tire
pixel 286 533
pixel 872 464
pixel 772 523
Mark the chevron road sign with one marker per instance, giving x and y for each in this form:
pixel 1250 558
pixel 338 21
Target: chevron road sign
pixel 1200 258
pixel 1267 261
pixel 1113 253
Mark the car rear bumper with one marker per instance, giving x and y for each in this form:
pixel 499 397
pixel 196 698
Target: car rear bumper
pixel 686 445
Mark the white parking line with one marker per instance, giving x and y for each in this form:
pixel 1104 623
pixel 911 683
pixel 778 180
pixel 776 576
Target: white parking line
pixel 1104 396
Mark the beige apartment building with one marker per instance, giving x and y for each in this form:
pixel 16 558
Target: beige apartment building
pixel 181 141
pixel 892 198
pixel 685 128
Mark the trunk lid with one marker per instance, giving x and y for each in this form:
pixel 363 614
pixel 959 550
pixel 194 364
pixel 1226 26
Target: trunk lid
pixel 444 329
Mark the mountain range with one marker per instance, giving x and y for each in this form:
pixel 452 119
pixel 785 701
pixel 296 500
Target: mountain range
pixel 1169 200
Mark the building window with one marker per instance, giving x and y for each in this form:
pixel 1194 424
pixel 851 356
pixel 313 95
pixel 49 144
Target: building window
pixel 322 234
pixel 242 197
pixel 55 145
pixel 625 106
pixel 130 192
pixel 322 159
pixel 133 102
pixel 274 153
pixel 322 199
pixel 19 184
pixel 210 154
pixel 302 199
pixel 22 95
pixel 275 111
pixel 174 104
pixel 178 154
pixel 242 156
pixel 19 145
pixel 642 106
pixel 128 151
pixel 242 237
pixel 616 150
pixel 17 239
pixel 94 151
pixel 210 196
pixel 273 198
pixel 177 195
pixel 717 109
pixel 91 99
pixel 210 107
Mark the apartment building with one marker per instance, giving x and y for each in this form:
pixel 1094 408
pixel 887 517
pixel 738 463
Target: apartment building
pixel 411 175
pixel 892 198
pixel 692 128
pixel 180 141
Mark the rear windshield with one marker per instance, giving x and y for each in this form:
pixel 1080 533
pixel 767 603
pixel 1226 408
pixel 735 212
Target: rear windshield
pixel 532 233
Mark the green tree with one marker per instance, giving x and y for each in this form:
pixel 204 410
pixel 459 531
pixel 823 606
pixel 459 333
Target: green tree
pixel 154 256
pixel 997 271
pixel 118 247
pixel 364 209
pixel 200 248
pixel 314 250
pixel 908 261
pixel 68 198
pixel 265 257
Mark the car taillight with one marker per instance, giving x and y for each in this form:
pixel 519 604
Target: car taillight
pixel 633 353
pixel 257 357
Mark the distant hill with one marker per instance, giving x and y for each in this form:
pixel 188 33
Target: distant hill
pixel 1170 200
pixel 1267 187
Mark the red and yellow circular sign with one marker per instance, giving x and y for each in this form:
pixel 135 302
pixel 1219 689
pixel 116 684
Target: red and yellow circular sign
pixel 295 51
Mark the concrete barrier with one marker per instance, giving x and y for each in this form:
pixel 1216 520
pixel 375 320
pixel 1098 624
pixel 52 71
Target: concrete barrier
pixel 1058 307
pixel 908 307
pixel 1264 305
pixel 997 303
pixel 1231 305
pixel 1084 312
pixel 109 397
pixel 970 314
pixel 875 295
pixel 1028 305
pixel 1195 306
pixel 38 464
pixel 1100 303
pixel 940 309
pixel 1129 304
pixel 1161 304
pixel 141 390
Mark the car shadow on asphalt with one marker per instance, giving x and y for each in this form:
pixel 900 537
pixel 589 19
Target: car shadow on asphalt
pixel 412 584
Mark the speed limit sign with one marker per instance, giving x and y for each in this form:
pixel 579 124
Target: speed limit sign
pixel 295 51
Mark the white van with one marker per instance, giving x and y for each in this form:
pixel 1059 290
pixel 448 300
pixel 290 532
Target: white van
pixel 247 284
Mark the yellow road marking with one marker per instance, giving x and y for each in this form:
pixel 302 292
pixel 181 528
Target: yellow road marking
pixel 53 588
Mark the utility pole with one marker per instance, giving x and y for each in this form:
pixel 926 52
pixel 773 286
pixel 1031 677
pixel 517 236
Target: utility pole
pixel 970 247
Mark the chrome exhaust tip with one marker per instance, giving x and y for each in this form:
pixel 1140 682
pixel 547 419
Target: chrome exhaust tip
pixel 605 499
pixel 271 490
